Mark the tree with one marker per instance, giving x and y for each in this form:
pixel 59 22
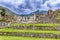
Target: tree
pixel 2 12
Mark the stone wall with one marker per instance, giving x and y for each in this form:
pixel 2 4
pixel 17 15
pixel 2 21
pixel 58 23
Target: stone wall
pixel 35 28
pixel 40 35
pixel 4 24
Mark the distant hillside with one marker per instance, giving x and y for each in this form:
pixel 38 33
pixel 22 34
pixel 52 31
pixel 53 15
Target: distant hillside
pixel 8 12
pixel 40 12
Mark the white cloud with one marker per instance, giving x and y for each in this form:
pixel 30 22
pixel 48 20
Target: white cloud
pixel 18 2
pixel 13 2
pixel 51 3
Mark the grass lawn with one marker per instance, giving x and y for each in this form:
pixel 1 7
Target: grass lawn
pixel 47 25
pixel 29 31
pixel 23 38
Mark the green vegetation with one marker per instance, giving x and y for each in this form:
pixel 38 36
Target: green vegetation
pixel 29 31
pixel 23 38
pixel 3 20
pixel 2 12
pixel 47 25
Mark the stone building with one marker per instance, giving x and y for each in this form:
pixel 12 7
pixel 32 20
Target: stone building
pixel 24 19
pixel 35 18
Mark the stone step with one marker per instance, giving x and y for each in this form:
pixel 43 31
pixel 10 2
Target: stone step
pixel 35 28
pixel 30 31
pixel 37 35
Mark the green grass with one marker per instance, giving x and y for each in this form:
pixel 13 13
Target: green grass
pixel 29 31
pixel 23 38
pixel 48 24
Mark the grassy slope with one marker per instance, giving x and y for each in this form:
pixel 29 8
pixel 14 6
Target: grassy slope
pixel 23 38
pixel 29 31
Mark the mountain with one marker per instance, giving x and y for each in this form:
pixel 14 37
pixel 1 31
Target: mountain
pixel 8 12
pixel 35 12
pixel 40 12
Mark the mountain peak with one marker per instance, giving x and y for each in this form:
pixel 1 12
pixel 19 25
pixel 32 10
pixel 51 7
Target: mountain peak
pixel 40 12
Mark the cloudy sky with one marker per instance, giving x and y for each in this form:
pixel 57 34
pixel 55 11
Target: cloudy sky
pixel 28 6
